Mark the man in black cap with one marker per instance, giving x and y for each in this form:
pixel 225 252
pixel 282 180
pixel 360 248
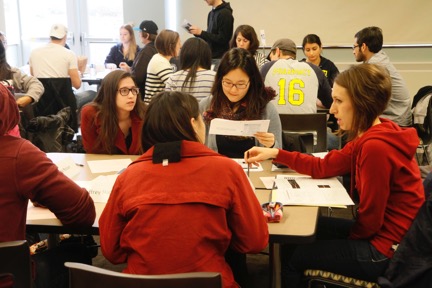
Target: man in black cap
pixel 148 31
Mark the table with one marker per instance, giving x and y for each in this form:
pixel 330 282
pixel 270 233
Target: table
pixel 297 225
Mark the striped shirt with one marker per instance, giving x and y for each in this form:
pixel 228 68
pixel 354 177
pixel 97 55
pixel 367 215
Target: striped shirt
pixel 158 71
pixel 200 88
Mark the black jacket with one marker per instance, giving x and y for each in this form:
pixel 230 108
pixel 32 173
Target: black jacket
pixel 220 22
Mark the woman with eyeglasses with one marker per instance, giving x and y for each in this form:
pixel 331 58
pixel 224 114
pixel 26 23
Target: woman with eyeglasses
pixel 239 93
pixel 111 124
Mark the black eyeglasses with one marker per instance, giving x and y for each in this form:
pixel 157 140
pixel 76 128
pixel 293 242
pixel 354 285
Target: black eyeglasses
pixel 240 86
pixel 355 46
pixel 124 91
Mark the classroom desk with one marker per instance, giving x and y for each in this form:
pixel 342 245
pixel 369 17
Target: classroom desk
pixel 297 225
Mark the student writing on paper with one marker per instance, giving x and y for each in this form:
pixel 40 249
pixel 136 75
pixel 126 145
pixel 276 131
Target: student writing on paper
pixel 168 214
pixel 111 124
pixel 385 180
pixel 239 93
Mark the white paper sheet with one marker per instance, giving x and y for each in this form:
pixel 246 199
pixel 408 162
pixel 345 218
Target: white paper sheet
pixel 302 190
pixel 69 167
pixel 104 166
pixel 238 128
pixel 100 187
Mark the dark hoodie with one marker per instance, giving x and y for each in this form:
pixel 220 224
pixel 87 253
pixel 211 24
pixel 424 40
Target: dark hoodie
pixel 387 180
pixel 220 23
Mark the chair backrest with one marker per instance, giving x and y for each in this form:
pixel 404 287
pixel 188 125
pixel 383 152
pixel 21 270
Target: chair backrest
pixel 307 123
pixel 87 276
pixel 15 260
pixel 58 94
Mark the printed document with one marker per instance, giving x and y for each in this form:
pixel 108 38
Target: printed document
pixel 238 128
pixel 303 190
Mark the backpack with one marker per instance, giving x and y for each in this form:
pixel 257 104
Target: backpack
pixel 422 113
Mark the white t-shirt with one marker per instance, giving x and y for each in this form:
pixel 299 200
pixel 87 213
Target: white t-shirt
pixel 52 61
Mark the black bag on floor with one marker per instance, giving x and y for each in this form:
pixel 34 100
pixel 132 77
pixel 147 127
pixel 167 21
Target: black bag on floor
pixel 49 268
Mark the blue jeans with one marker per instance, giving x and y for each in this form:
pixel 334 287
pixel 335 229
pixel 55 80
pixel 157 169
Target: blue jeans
pixel 333 252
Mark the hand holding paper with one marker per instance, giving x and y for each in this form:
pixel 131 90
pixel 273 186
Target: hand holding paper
pixel 238 128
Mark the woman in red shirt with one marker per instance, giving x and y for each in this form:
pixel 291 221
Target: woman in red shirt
pixel 111 124
pixel 385 180
pixel 180 206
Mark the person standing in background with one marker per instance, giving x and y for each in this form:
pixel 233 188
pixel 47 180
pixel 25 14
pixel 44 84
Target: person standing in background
pixel 367 48
pixel 220 25
pixel 312 48
pixel 126 50
pixel 148 31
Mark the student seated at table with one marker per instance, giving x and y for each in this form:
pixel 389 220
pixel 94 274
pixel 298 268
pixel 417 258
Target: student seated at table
pixel 238 93
pixel 26 173
pixel 126 50
pixel 111 124
pixel 385 177
pixel 166 214
pixel 195 76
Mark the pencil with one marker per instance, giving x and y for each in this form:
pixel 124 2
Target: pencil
pixel 247 156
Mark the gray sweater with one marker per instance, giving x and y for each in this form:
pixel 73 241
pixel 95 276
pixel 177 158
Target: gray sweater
pixel 270 113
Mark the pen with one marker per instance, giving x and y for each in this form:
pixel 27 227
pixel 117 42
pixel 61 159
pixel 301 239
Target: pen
pixel 247 156
pixel 80 165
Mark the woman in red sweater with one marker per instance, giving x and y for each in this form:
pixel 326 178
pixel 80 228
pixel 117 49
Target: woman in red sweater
pixel 111 124
pixel 385 178
pixel 180 206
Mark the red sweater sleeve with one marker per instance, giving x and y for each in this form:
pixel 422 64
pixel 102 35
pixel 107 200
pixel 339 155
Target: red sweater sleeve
pixel 335 163
pixel 41 181
pixel 88 129
pixel 373 181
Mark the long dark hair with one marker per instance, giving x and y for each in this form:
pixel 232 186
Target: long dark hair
pixel 105 103
pixel 168 118
pixel 249 33
pixel 257 95
pixel 5 68
pixel 195 54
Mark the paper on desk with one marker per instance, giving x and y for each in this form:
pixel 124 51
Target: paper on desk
pixel 68 167
pixel 244 165
pixel 268 181
pixel 100 187
pixel 303 190
pixel 104 166
pixel 238 128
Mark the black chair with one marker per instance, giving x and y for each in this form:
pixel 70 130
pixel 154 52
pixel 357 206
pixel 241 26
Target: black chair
pixel 87 276
pixel 305 126
pixel 15 260
pixel 58 95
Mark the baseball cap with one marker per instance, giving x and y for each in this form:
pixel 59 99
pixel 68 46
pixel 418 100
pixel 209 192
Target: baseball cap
pixel 284 44
pixel 148 26
pixel 58 31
